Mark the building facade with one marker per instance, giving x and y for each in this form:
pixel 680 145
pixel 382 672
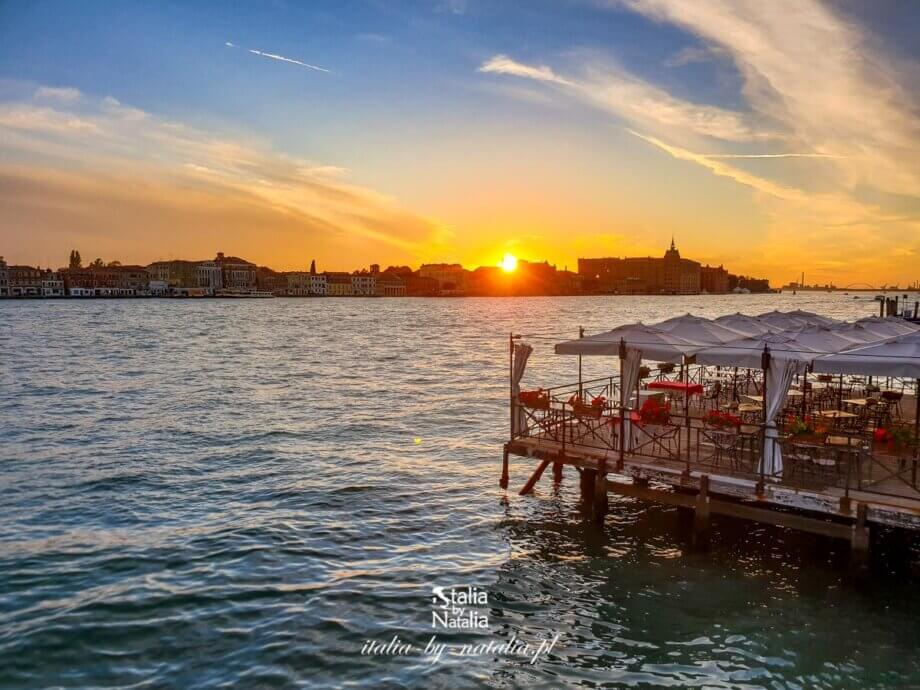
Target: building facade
pixel 175 273
pixel 52 284
pixel 25 281
pixel 670 274
pixel 4 278
pixel 227 273
pixel 451 278
pixel 714 280
pixel 364 285
pixel 390 285
pixel 319 284
pixel 339 285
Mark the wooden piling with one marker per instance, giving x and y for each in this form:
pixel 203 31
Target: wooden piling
pixel 557 472
pixel 600 493
pixel 588 477
pixel 859 542
pixel 503 482
pixel 701 519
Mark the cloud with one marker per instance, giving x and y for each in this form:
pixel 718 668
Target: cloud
pixel 292 61
pixel 615 90
pixel 230 45
pixel 502 64
pixel 50 93
pixel 851 102
pixel 692 54
pixel 125 180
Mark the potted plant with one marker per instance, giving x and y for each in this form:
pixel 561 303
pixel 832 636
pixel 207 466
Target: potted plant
pixel 805 429
pixel 655 412
pixel 721 420
pixel 644 372
pixel 896 439
pixel 666 367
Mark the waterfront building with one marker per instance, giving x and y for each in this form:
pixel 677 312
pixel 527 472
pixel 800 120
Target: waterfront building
pixel 670 274
pixel 4 279
pixel 158 288
pixel 713 279
pixel 339 284
pixel 25 281
pixel 271 281
pixel 106 281
pixel 52 284
pixel 319 284
pixel 131 281
pixel 175 273
pixel 363 284
pixel 297 283
pixel 451 278
pixel 390 285
pixel 227 273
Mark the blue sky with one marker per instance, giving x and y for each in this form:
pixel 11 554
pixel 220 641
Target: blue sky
pixel 458 130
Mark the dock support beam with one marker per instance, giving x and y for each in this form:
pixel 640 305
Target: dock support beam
pixel 557 472
pixel 600 493
pixel 587 486
pixel 701 520
pixel 534 478
pixel 859 542
pixel 503 482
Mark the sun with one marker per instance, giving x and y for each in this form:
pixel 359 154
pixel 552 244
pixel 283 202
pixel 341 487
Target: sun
pixel 508 263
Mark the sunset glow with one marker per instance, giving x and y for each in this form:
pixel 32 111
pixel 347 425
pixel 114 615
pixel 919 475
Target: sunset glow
pixel 509 263
pixel 620 125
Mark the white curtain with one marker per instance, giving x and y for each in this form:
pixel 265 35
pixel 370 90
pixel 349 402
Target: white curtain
pixel 779 378
pixel 519 363
pixel 629 379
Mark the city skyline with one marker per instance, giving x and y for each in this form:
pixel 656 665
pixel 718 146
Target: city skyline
pixel 774 138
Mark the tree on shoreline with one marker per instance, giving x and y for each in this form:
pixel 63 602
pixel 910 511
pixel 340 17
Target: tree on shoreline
pixel 75 260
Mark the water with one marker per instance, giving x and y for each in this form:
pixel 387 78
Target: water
pixel 241 493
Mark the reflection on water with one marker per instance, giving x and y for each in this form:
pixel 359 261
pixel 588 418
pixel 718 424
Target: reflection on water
pixel 231 492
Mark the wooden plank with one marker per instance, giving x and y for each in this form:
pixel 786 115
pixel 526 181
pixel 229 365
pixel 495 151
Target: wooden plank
pixel 534 478
pixel 737 510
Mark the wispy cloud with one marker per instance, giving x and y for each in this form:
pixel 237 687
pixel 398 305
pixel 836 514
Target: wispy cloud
pixel 92 170
pixel 617 91
pixel 230 45
pixel 691 55
pixel 50 93
pixel 281 58
pixel 502 64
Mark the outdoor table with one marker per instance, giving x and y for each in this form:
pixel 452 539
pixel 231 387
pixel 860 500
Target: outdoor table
pixel 677 387
pixel 836 414
pixel 755 398
pixel 793 394
pixel 749 407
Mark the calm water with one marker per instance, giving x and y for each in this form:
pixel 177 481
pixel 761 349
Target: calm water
pixel 241 493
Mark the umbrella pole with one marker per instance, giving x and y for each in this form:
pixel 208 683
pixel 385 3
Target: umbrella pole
pixel 581 334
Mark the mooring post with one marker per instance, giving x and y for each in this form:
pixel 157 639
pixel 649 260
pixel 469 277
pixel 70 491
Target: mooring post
pixel 600 491
pixel 701 515
pixel 557 470
pixel 586 485
pixel 503 482
pixel 859 542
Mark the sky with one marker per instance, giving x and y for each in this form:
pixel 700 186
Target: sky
pixel 770 137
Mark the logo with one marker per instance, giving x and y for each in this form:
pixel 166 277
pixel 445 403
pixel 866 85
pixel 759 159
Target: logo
pixel 458 607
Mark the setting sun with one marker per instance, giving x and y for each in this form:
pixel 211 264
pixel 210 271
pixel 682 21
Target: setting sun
pixel 508 263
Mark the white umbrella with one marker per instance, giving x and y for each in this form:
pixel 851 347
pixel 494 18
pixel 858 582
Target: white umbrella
pixel 812 318
pixel 748 325
pixel 747 352
pixel 890 325
pixel 895 357
pixel 863 333
pixel 652 342
pixel 782 321
pixel 822 339
pixel 696 329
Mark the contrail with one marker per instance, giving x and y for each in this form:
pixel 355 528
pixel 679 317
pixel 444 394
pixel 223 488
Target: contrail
pixel 274 56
